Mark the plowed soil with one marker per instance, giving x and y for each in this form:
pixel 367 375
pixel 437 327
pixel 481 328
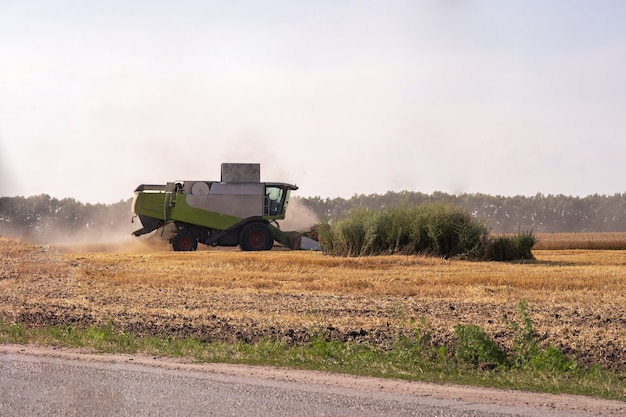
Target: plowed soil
pixel 577 298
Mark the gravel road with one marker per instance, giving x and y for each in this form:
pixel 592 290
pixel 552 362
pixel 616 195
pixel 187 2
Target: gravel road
pixel 37 381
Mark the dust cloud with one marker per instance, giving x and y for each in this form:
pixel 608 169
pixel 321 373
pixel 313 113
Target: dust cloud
pixel 101 236
pixel 119 244
pixel 299 218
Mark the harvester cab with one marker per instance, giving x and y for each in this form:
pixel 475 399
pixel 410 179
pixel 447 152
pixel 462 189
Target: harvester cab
pixel 237 210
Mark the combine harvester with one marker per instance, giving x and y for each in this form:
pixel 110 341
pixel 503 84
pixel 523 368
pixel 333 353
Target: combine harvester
pixel 237 210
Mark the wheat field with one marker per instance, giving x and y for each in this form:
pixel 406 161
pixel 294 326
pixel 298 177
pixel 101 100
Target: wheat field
pixel 593 241
pixel 577 297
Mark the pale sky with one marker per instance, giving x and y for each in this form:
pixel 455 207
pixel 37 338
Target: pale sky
pixel 340 97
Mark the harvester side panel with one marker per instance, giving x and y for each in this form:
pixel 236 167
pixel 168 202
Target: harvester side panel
pixel 149 204
pixel 237 200
pixel 184 212
pixel 241 206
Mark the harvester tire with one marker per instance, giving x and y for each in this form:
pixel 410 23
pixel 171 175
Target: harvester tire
pixel 256 237
pixel 185 241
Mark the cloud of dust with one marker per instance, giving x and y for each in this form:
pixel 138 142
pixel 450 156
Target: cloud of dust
pixel 299 218
pixel 102 235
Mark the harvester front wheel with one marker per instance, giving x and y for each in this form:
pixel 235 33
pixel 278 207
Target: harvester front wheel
pixel 185 241
pixel 255 237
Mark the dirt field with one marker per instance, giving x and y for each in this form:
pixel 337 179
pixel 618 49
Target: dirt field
pixel 577 297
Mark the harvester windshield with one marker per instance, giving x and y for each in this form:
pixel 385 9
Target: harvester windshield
pixel 277 198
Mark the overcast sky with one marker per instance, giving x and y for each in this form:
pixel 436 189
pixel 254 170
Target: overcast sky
pixel 340 97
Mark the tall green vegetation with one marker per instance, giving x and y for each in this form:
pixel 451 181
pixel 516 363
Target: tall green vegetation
pixel 505 248
pixel 439 230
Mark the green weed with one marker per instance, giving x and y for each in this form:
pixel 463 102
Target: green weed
pixel 474 347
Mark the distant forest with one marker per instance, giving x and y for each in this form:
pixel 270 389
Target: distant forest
pixel 46 219
pixel 539 213
pixel 41 217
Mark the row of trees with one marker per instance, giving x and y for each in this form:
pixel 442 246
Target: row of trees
pixel 43 216
pixel 47 219
pixel 539 213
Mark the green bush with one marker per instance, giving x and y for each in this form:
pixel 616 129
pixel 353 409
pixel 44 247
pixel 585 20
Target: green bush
pixel 432 229
pixel 437 230
pixel 474 347
pixel 511 248
pixel 552 359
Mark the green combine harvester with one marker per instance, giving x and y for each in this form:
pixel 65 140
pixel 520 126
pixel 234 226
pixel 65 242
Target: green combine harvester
pixel 237 210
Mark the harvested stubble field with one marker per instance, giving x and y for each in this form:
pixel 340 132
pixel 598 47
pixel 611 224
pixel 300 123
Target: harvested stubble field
pixel 577 298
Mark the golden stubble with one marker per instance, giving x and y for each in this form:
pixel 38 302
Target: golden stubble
pixel 577 296
pixel 557 275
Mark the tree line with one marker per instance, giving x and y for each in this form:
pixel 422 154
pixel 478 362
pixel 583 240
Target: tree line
pixel 502 214
pixel 46 218
pixel 43 216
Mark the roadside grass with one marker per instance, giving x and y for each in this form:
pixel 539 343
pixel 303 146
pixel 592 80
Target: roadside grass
pixel 476 360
